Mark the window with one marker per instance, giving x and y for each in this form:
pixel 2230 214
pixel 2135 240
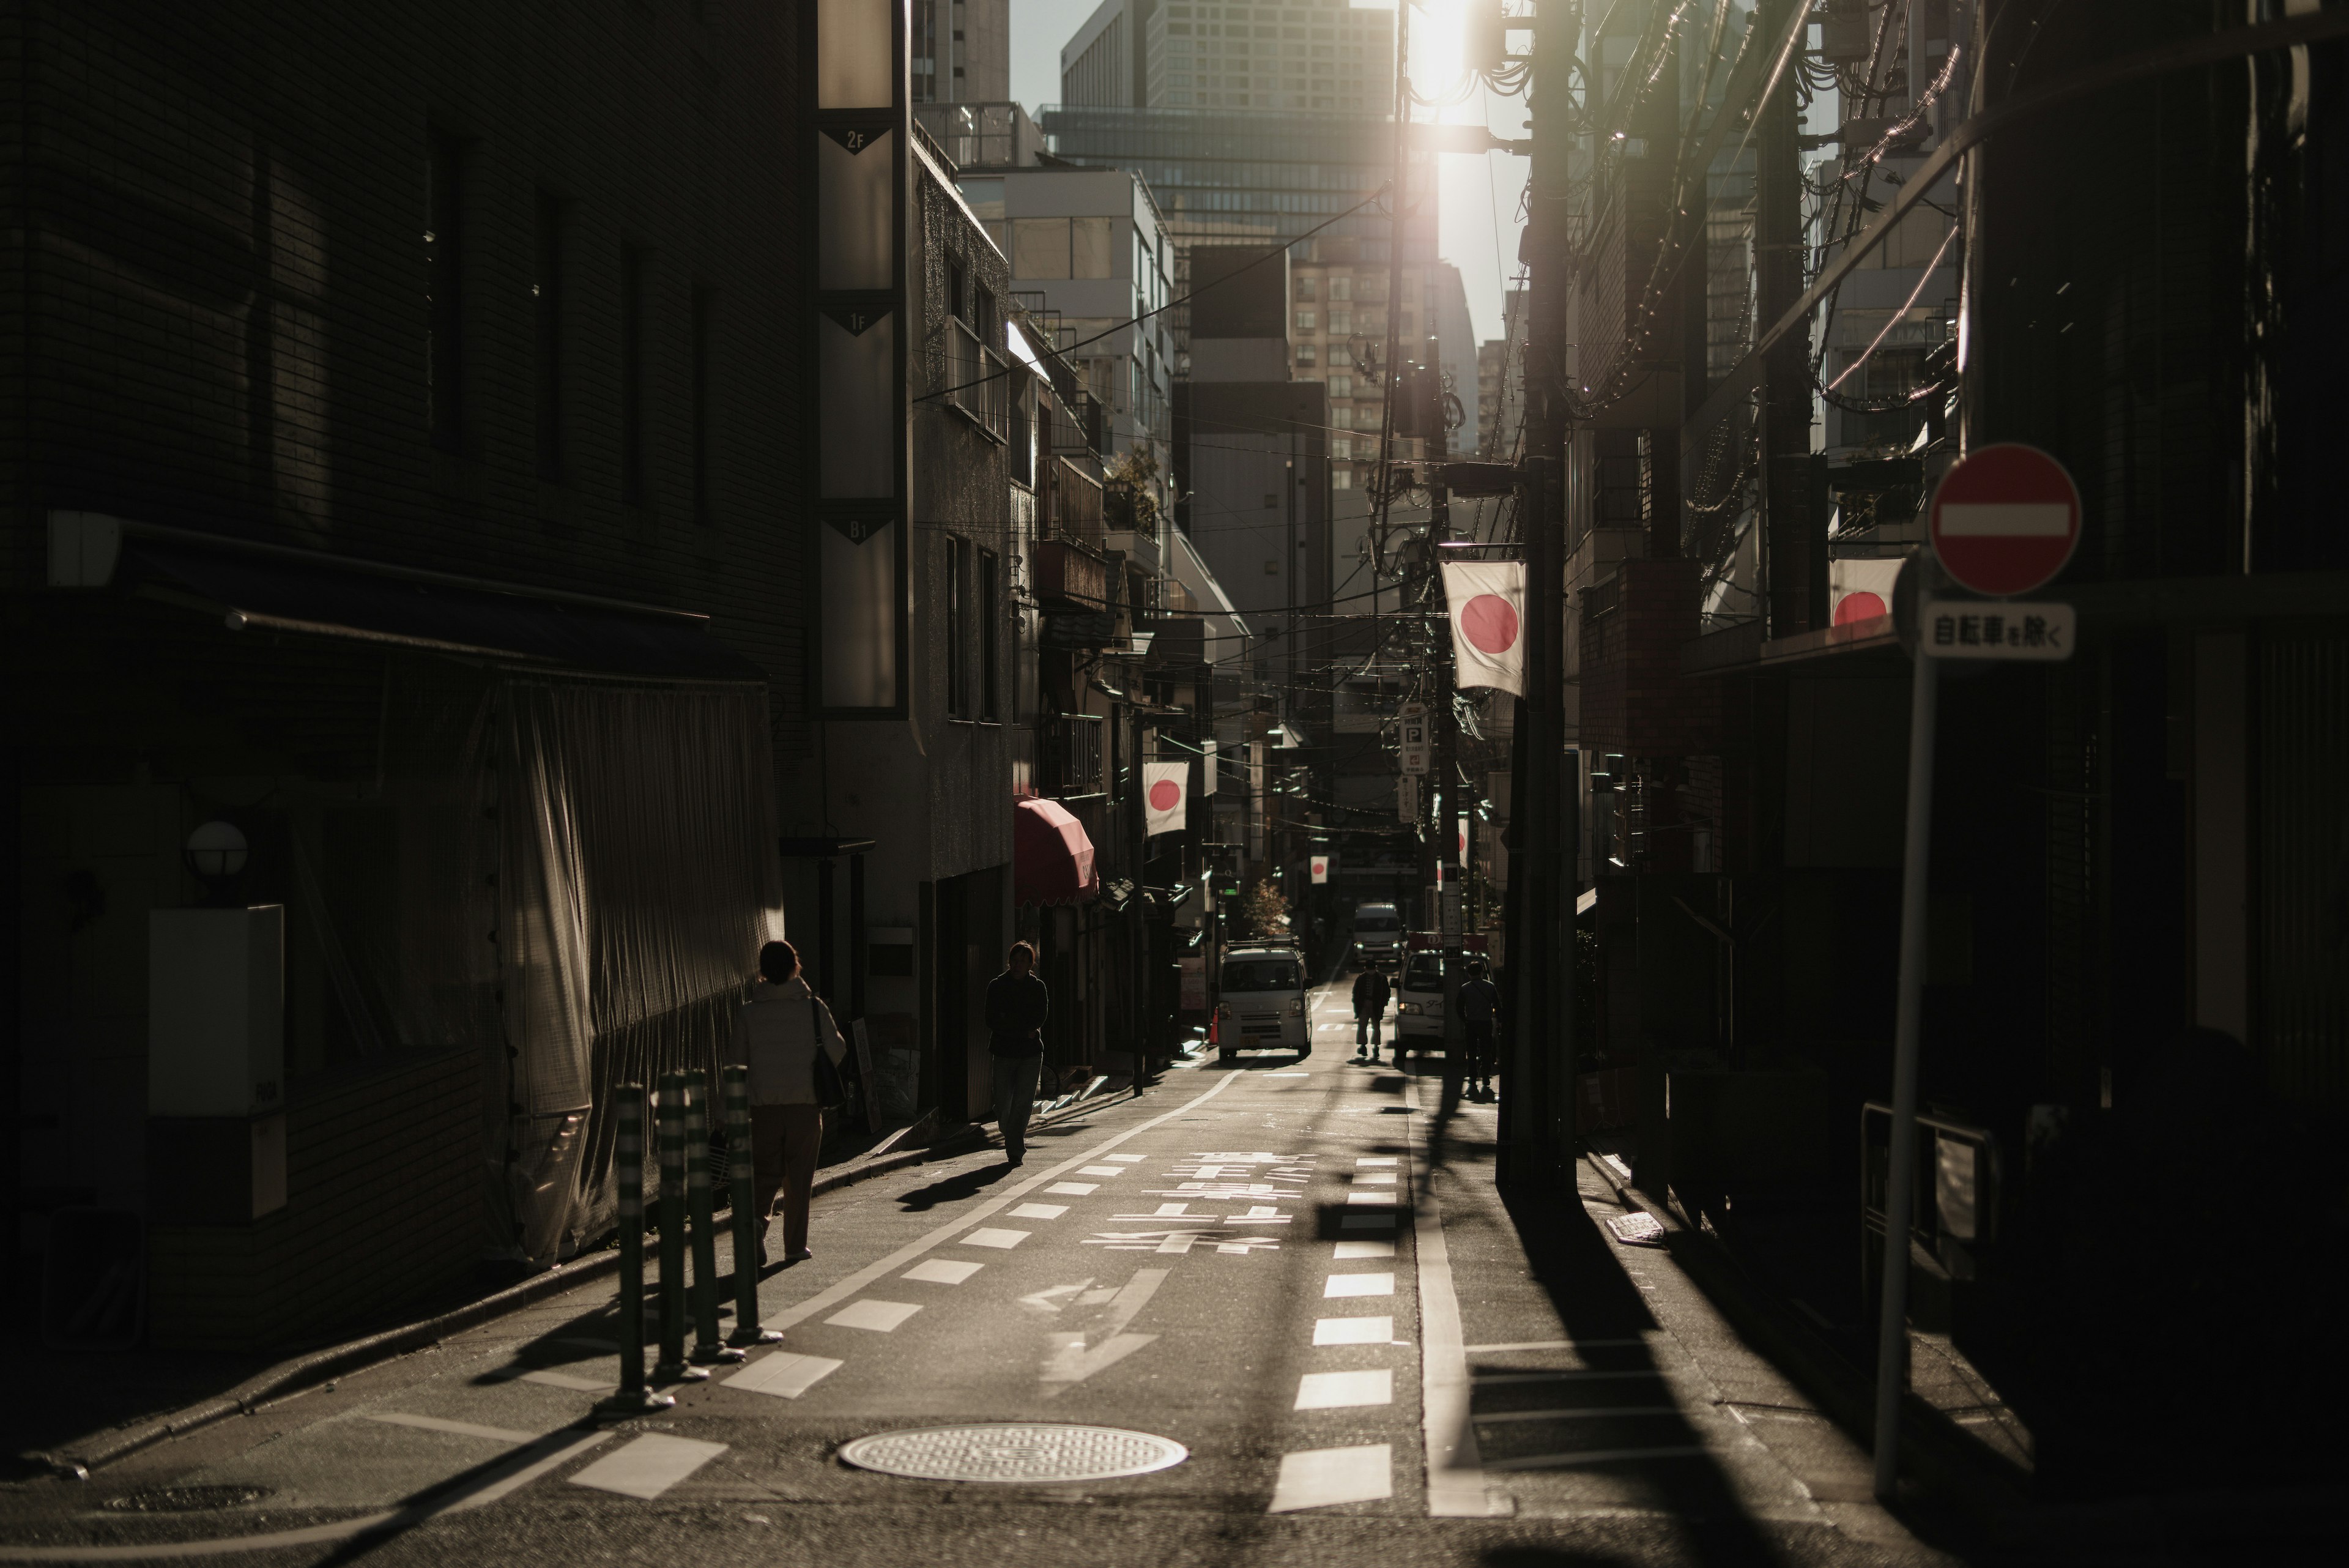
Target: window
pixel 547 330
pixel 990 616
pixel 444 271
pixel 1305 319
pixel 1305 354
pixel 702 302
pixel 1341 478
pixel 1305 286
pixel 957 627
pixel 1341 321
pixel 1340 386
pixel 1342 447
pixel 632 375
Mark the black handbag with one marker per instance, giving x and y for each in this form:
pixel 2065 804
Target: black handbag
pixel 831 1094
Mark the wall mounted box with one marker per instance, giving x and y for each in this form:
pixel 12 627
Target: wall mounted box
pixel 216 1011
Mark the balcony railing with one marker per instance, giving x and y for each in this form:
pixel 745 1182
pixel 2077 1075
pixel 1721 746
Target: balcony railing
pixel 976 380
pixel 1069 754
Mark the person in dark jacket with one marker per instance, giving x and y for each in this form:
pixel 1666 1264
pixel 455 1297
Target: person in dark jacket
pixel 1371 994
pixel 1018 1004
pixel 1480 1012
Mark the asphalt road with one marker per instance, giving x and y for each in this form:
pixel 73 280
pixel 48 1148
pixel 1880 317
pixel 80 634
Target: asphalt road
pixel 1297 1272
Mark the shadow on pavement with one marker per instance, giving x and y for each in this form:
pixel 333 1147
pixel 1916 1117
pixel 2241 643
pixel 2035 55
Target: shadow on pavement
pixel 953 1188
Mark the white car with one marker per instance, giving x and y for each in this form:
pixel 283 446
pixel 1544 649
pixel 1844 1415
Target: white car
pixel 1261 1004
pixel 1378 935
pixel 1419 1005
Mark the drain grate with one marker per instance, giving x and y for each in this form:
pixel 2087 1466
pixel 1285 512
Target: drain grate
pixel 1014 1451
pixel 186 1499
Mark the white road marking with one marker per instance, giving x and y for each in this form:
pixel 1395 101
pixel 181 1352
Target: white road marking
pixel 1094 1298
pixel 1179 1241
pixel 1320 1478
pixel 785 1375
pixel 1338 1285
pixel 1354 1331
pixel 1123 1158
pixel 1288 1074
pixel 1350 1249
pixel 1549 1343
pixel 1001 1240
pixel 1050 1300
pixel 1073 1188
pixel 1599 1457
pixel 880 1316
pixel 1040 1212
pixel 1102 1170
pixel 650 1465
pixel 1166 1210
pixel 1375 1178
pixel 785 1314
pixel 1455 1469
pixel 1344 1390
pixel 1376 1160
pixel 1073 1362
pixel 455 1429
pixel 571 1380
pixel 941 1271
pixel 1386 1198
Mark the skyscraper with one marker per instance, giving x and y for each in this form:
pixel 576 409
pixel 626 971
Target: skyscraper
pixel 962 50
pixel 1310 55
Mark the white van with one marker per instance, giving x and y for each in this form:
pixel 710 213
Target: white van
pixel 1378 935
pixel 1419 1007
pixel 1261 1002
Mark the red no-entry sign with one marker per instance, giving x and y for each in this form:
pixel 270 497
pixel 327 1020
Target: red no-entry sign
pixel 2005 519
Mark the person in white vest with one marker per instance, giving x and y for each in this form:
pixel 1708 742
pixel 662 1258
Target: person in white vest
pixel 778 1031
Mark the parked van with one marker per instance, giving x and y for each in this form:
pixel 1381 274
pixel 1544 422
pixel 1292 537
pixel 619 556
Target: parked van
pixel 1419 1005
pixel 1378 935
pixel 1261 1004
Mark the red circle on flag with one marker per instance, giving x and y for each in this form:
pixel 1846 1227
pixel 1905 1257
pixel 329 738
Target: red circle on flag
pixel 1165 795
pixel 1489 622
pixel 2005 519
pixel 1320 866
pixel 1858 607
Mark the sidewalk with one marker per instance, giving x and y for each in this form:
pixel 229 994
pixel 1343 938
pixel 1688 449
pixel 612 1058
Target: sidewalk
pixel 90 1409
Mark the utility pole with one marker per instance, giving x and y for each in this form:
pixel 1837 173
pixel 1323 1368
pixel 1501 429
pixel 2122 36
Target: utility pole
pixel 1446 734
pixel 1795 567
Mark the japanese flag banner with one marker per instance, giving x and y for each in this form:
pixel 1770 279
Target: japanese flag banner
pixel 1487 601
pixel 1320 869
pixel 1163 786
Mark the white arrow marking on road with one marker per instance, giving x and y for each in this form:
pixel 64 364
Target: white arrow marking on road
pixel 1073 1362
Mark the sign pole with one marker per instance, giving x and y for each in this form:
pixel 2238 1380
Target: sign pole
pixel 1892 1324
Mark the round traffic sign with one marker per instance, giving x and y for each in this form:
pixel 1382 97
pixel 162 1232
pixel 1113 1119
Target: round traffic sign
pixel 2005 519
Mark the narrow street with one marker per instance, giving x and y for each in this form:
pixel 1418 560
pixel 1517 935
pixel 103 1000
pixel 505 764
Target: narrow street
pixel 1291 1269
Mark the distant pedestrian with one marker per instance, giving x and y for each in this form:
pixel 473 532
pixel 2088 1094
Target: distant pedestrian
pixel 1018 1004
pixel 1371 994
pixel 1480 1012
pixel 779 1031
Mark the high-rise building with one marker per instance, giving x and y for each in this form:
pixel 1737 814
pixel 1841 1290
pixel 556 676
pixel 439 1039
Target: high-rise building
pixel 1309 55
pixel 962 50
pixel 1455 347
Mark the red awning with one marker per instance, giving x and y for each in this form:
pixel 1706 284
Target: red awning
pixel 1051 858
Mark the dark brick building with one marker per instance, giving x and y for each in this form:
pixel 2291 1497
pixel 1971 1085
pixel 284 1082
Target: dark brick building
pixel 400 431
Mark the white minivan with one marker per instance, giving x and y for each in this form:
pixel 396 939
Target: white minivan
pixel 1261 1002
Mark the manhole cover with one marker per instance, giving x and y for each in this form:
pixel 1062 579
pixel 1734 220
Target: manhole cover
pixel 186 1499
pixel 1014 1451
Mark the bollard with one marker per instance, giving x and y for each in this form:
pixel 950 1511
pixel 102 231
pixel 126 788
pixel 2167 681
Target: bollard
pixel 669 1108
pixel 628 1172
pixel 707 1346
pixel 742 1188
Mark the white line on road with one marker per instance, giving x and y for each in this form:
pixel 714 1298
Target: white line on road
pixel 650 1465
pixel 1375 1178
pixel 785 1375
pixel 570 1380
pixel 1455 1469
pixel 1338 1285
pixel 1319 1478
pixel 1376 1160
pixel 455 1429
pixel 881 1317
pixel 1348 1250
pixel 1353 1330
pixel 941 1271
pixel 1040 1212
pixel 1344 1390
pixel 1123 1158
pixel 1384 1200
pixel 1073 1188
pixel 1002 1240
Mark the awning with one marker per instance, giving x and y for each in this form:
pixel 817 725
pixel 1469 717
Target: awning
pixel 1051 858
pixel 330 598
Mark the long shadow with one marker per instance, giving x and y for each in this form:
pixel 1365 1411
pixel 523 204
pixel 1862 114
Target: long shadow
pixel 953 1188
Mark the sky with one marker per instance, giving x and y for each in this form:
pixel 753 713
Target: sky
pixel 1477 197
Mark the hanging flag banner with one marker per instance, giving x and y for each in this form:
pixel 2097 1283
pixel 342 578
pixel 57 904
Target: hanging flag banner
pixel 1487 601
pixel 1208 764
pixel 1320 869
pixel 1164 787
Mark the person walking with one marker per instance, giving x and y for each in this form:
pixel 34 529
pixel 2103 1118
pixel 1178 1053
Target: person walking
pixel 1480 1014
pixel 778 1031
pixel 1371 994
pixel 1018 1004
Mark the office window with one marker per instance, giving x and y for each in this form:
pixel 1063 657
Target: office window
pixel 1340 386
pixel 632 375
pixel 1090 248
pixel 546 328
pixel 1305 321
pixel 444 271
pixel 957 627
pixel 990 616
pixel 703 303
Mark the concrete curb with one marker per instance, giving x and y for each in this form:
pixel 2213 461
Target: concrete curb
pixel 1979 1485
pixel 299 1376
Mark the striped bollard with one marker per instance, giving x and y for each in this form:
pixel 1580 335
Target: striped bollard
pixel 707 1346
pixel 628 1171
pixel 743 1192
pixel 669 1110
